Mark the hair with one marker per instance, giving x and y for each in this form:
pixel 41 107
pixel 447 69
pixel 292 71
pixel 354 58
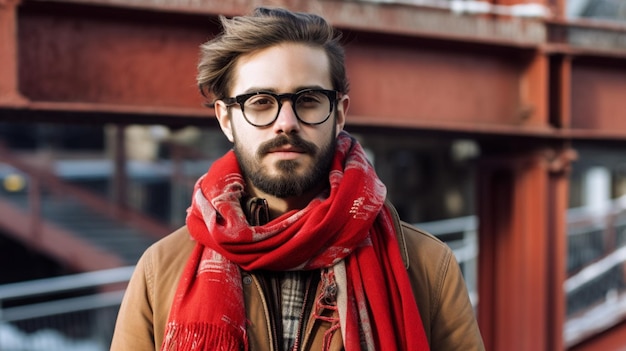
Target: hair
pixel 266 27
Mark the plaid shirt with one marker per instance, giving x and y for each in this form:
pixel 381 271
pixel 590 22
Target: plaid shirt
pixel 289 288
pixel 292 289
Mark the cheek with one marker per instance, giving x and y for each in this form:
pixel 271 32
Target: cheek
pixel 330 133
pixel 246 139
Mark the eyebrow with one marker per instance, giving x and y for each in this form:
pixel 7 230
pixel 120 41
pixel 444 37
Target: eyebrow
pixel 272 90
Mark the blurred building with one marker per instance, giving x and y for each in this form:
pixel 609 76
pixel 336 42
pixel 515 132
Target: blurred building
pixel 497 125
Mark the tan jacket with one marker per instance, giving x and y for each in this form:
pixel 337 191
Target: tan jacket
pixel 435 276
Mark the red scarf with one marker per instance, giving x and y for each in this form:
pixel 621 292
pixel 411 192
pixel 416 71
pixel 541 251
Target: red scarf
pixel 350 226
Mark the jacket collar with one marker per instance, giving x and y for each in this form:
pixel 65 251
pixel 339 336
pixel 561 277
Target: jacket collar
pixel 397 224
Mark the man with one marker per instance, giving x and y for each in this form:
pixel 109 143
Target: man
pixel 289 242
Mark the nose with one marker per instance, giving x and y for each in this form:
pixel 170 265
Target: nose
pixel 286 122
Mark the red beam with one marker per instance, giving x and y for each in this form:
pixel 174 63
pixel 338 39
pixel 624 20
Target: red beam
pixel 416 81
pixel 118 58
pixel 79 55
pixel 559 167
pixel 598 93
pixel 9 95
pixel 534 91
pixel 518 302
pixel 404 73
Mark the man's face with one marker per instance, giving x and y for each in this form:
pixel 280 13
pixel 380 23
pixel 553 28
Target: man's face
pixel 287 158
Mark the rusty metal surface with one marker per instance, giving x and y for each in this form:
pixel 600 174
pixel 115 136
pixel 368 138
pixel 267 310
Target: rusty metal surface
pixel 103 57
pixel 435 18
pixel 559 167
pixel 129 58
pixel 140 56
pixel 598 93
pixel 413 81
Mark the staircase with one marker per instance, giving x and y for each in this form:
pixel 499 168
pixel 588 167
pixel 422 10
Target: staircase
pixel 92 227
pixel 76 226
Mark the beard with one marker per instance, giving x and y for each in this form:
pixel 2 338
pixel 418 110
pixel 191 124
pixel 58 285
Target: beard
pixel 288 183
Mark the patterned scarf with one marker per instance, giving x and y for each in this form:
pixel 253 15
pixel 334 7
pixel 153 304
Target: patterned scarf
pixel 349 230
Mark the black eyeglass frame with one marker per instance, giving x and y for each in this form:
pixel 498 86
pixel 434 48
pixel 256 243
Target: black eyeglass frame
pixel 332 95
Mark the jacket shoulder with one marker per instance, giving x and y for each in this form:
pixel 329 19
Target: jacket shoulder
pixel 174 244
pixel 164 260
pixel 415 242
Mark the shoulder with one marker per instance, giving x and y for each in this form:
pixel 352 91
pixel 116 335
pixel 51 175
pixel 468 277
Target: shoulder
pixel 156 279
pixel 178 239
pixel 417 246
pixel 427 258
pixel 167 257
pixel 159 268
pixel 171 244
pixel 417 241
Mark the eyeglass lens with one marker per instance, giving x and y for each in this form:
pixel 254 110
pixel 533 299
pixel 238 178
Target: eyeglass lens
pixel 310 107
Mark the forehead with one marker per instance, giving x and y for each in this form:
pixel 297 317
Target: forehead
pixel 287 67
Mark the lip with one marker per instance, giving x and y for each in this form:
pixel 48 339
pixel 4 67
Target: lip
pixel 286 149
pixel 286 153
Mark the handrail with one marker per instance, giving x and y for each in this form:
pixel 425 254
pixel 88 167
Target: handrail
pixel 65 283
pixel 50 308
pixel 595 320
pixel 74 282
pixel 451 225
pixel 593 270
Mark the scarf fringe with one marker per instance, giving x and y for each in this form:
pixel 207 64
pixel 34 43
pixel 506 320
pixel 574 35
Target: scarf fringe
pixel 203 337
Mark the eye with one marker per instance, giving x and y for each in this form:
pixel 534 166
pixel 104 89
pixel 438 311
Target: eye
pixel 261 102
pixel 311 99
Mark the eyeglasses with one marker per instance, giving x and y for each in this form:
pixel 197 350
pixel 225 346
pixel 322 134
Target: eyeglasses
pixel 261 109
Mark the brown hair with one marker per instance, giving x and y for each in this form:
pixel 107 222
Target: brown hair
pixel 264 28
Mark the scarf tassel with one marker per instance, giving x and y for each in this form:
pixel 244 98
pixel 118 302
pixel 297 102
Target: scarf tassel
pixel 327 300
pixel 202 337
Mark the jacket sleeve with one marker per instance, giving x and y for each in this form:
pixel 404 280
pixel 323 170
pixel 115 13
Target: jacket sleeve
pixel 441 294
pixel 454 325
pixel 134 327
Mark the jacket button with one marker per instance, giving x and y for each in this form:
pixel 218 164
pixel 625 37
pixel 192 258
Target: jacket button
pixel 247 279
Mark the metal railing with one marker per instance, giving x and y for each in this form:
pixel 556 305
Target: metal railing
pixel 596 285
pixel 69 313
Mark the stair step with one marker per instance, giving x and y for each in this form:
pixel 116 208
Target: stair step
pixel 98 229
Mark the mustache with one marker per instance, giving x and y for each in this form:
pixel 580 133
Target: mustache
pixel 293 140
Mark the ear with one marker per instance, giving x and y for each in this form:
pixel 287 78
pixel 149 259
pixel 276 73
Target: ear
pixel 342 110
pixel 223 117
